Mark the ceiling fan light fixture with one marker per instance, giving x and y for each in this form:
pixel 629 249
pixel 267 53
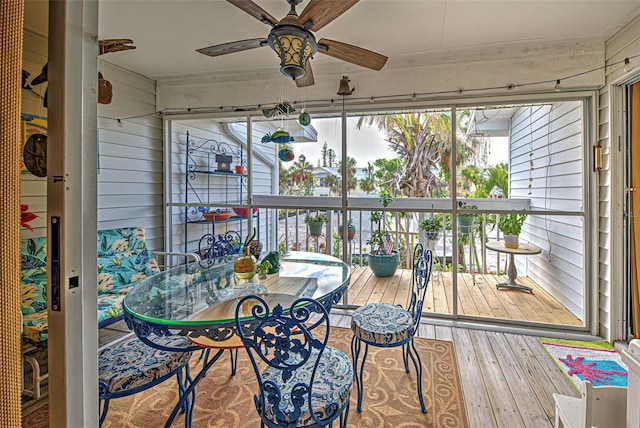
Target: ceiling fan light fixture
pixel 294 46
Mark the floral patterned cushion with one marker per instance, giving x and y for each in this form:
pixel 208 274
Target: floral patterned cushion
pixel 382 323
pixel 33 252
pixel 110 305
pixel 116 241
pixel 33 283
pixel 132 364
pixel 332 383
pixel 117 273
pixel 33 275
pixel 35 328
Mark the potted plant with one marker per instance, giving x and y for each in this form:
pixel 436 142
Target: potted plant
pixel 383 259
pixel 263 269
pixel 432 227
pixel 315 223
pixel 351 230
pixel 511 226
pixel 466 220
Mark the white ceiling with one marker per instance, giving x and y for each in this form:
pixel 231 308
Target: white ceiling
pixel 168 32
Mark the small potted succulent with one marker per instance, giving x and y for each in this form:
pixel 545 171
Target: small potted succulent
pixel 432 227
pixel 263 269
pixel 315 223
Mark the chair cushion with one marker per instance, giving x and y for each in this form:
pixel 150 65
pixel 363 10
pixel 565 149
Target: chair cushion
pixel 132 364
pixel 116 241
pixel 33 283
pixel 33 252
pixel 35 327
pixel 110 306
pixel 332 382
pixel 117 273
pixel 382 324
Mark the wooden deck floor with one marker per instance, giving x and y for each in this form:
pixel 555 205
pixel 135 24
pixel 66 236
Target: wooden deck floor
pixel 507 379
pixel 477 296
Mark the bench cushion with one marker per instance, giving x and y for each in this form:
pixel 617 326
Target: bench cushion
pixel 33 252
pixel 110 306
pixel 123 259
pixel 35 328
pixel 117 273
pixel 117 241
pixel 33 283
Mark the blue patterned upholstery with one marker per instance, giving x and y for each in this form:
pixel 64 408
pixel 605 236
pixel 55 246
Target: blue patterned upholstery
pixel 306 383
pixel 382 323
pixel 123 261
pixel 33 284
pixel 385 325
pixel 332 383
pixel 132 366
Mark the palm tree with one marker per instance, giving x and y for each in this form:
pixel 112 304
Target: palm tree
pixel 302 176
pixel 352 181
pixel 333 183
pixel 368 184
pixel 423 141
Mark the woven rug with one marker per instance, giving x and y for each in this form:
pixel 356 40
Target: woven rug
pixel 390 397
pixel 596 362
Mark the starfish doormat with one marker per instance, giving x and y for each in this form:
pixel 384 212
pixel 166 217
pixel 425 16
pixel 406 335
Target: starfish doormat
pixel 596 362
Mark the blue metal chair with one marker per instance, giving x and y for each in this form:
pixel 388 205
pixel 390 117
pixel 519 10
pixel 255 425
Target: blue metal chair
pixel 132 366
pixel 305 382
pixel 387 326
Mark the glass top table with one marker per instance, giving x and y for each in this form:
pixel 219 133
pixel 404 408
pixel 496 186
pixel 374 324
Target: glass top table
pixel 201 296
pixel 199 300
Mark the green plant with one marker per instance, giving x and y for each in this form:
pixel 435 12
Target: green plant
pixel 318 218
pixel 264 267
pixel 379 237
pixel 511 224
pixel 465 206
pixel 432 224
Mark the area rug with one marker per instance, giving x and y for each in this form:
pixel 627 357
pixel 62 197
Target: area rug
pixel 596 362
pixel 390 397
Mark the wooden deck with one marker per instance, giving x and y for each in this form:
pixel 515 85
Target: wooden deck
pixel 507 379
pixel 477 296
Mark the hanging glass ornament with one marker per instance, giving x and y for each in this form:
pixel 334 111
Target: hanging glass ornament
pixel 281 137
pixel 304 118
pixel 286 154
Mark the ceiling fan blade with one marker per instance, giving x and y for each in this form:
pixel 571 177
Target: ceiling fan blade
pixel 352 54
pixel 231 47
pixel 254 10
pixel 322 12
pixel 307 80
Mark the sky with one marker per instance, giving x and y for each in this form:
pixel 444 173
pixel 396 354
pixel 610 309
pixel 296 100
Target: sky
pixel 367 144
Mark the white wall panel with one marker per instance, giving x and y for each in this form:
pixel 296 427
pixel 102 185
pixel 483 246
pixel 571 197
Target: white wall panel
pixel 550 136
pixel 130 156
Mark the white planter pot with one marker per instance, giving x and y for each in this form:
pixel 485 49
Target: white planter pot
pixel 511 241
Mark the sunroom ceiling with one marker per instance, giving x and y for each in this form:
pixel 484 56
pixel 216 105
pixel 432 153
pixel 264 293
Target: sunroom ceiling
pixel 168 32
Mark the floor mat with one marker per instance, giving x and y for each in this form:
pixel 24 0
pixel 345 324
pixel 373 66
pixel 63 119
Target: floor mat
pixel 596 362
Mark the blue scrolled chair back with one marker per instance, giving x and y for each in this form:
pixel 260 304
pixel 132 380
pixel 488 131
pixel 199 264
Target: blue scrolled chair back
pixel 422 264
pixel 285 341
pixel 213 246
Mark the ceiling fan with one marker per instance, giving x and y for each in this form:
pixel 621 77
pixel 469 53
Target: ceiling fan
pixel 292 40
